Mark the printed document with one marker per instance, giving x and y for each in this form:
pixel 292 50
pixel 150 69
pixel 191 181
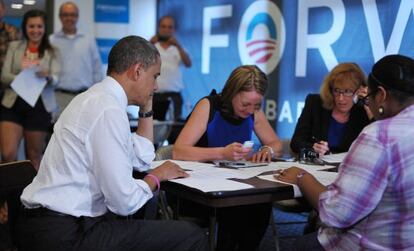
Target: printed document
pixel 29 86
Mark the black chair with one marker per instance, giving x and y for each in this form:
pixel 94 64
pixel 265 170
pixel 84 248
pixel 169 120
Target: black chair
pixel 14 177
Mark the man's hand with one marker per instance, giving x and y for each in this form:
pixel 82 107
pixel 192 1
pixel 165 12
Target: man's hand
pixel 169 170
pixel 147 107
pixel 173 41
pixel 154 39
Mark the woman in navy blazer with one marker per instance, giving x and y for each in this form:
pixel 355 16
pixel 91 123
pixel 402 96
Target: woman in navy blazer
pixel 331 121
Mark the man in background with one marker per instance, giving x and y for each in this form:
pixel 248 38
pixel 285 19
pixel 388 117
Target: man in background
pixel 170 81
pixel 81 63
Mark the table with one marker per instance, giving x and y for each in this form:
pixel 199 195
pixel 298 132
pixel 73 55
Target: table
pixel 263 191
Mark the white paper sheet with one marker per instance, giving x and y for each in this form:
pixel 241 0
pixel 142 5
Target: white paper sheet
pixel 305 167
pixel 325 178
pixel 28 86
pixel 187 165
pixel 207 177
pixel 334 158
pixel 211 185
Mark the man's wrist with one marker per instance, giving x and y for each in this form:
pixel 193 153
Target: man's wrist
pixel 146 114
pixel 156 181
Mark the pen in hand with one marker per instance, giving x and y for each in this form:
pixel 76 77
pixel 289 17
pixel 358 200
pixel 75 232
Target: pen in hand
pixel 320 146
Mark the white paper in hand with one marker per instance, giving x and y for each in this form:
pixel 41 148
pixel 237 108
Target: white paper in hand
pixel 29 86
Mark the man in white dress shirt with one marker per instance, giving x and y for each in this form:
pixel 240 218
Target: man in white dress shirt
pixel 81 62
pixel 87 168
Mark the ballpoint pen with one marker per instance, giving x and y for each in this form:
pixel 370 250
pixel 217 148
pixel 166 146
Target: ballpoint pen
pixel 318 141
pixel 315 139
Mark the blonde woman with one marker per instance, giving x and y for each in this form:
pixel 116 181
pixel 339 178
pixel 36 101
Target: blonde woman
pixel 216 129
pixel 331 121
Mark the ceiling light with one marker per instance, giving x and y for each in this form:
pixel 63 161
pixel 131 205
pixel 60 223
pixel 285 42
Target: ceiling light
pixel 16 6
pixel 29 2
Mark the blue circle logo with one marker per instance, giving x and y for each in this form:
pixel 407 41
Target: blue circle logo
pixel 261 38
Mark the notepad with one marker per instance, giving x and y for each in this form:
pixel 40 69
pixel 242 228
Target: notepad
pixel 238 164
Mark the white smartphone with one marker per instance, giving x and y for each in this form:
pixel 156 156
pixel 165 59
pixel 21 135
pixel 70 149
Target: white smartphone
pixel 248 144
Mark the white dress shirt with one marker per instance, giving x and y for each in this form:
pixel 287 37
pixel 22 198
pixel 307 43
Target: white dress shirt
pixel 81 62
pixel 87 167
pixel 170 79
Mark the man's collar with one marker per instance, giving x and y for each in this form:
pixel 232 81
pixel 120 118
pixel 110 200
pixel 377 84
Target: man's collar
pixel 63 34
pixel 117 90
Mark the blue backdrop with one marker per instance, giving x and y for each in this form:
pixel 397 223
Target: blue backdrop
pixel 296 42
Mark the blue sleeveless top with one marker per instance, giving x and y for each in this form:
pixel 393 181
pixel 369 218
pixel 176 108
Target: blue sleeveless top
pixel 222 130
pixel 336 132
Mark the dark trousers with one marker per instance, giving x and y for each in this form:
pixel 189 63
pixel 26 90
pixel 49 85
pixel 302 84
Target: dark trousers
pixel 240 228
pixel 49 232
pixel 162 101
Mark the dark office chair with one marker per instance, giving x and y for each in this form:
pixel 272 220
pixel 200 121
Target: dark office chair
pixel 14 177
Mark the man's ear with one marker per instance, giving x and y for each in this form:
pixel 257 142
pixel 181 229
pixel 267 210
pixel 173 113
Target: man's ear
pixel 134 71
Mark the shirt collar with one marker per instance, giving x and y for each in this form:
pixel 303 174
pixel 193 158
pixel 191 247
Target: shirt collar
pixel 62 34
pixel 116 90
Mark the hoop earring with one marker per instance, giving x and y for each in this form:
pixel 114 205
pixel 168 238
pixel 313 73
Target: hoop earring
pixel 381 110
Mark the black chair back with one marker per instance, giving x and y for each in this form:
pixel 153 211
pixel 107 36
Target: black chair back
pixel 14 177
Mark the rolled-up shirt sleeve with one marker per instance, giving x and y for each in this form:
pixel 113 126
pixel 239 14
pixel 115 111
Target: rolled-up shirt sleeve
pixel 360 184
pixel 144 152
pixel 112 166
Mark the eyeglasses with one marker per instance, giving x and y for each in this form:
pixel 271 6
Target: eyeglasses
pixel 347 92
pixel 68 15
pixel 365 100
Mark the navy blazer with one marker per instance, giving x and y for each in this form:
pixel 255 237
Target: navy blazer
pixel 314 122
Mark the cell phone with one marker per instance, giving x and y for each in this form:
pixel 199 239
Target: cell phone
pixel 163 38
pixel 284 157
pixel 248 144
pixel 358 101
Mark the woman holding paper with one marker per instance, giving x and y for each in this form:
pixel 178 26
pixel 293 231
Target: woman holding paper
pixel 370 205
pixel 33 55
pixel 216 130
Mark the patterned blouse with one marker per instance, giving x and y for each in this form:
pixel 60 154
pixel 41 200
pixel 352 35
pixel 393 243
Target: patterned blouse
pixel 371 204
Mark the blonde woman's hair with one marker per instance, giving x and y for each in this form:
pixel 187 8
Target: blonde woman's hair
pixel 243 78
pixel 341 72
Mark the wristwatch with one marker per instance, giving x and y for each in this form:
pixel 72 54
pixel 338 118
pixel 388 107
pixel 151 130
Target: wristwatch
pixel 145 114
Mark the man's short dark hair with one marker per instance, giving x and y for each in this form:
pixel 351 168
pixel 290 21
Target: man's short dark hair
pixel 129 51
